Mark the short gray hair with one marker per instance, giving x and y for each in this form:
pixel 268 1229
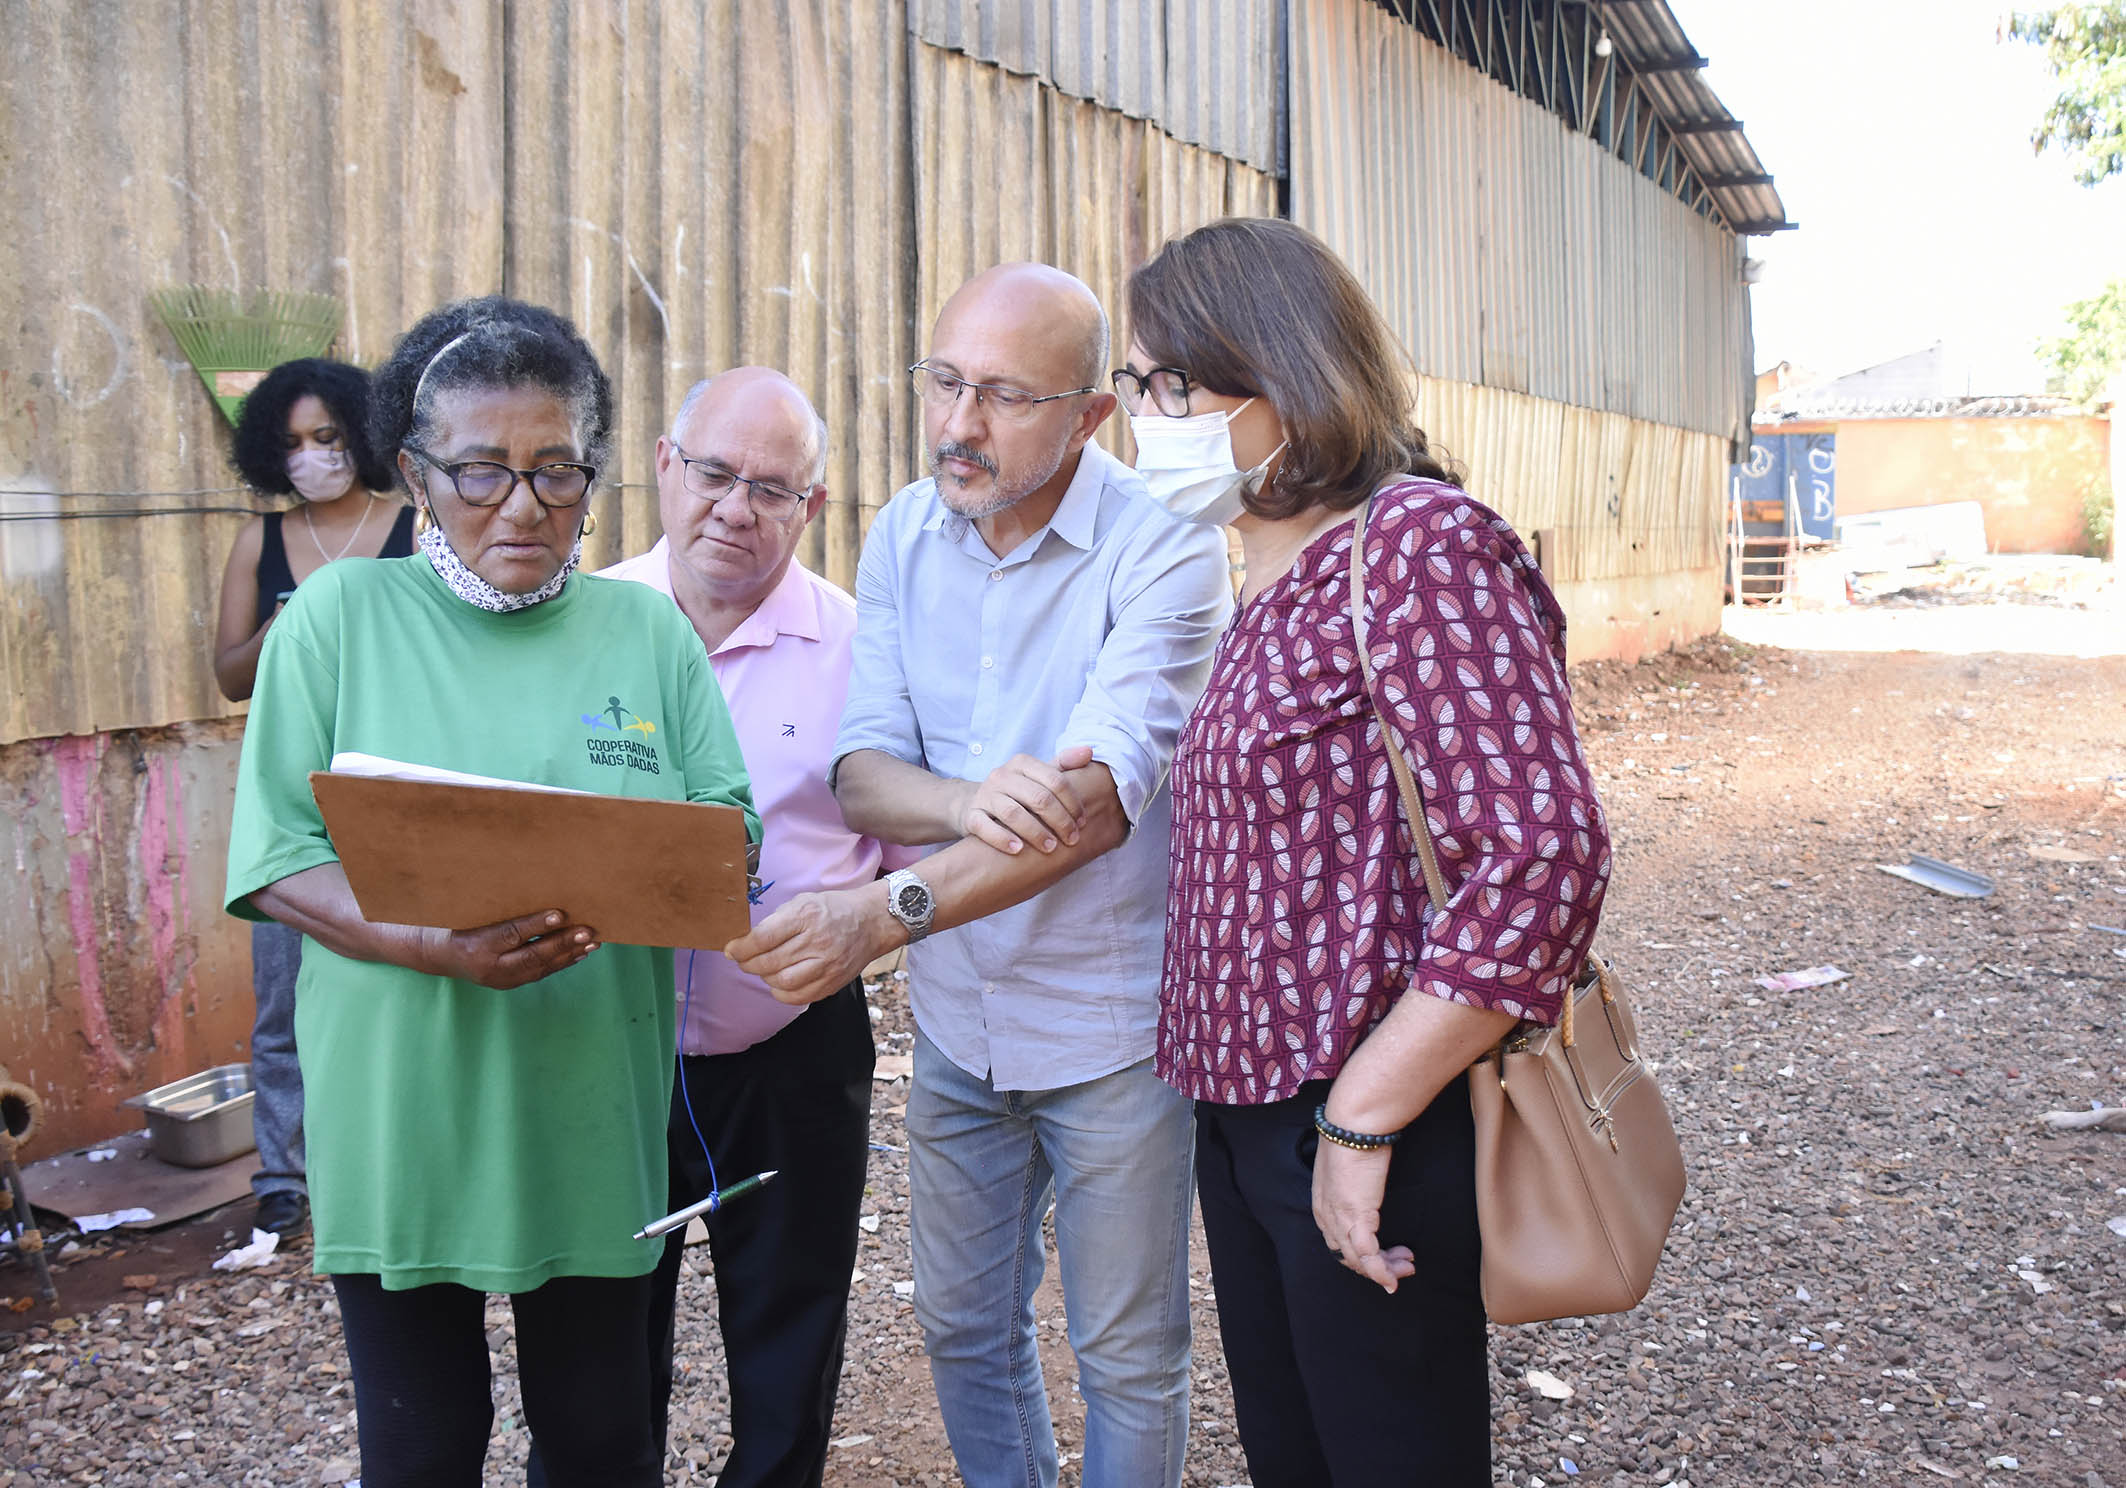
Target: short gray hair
pixel 694 394
pixel 1094 371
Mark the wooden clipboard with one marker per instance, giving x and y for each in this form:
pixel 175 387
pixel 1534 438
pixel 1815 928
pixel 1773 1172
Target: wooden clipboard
pixel 659 873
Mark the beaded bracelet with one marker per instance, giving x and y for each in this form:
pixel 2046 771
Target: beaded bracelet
pixel 1356 1141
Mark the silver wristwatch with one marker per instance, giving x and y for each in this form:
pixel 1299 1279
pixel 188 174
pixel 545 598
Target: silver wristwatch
pixel 908 900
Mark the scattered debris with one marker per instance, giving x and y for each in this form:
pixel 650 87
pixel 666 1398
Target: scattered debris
pixel 2102 1118
pixel 1942 878
pixel 2117 1225
pixel 142 1281
pixel 891 1067
pixel 2048 853
pixel 1799 981
pixel 245 1257
pixel 89 1224
pixel 101 1154
pixel 1548 1385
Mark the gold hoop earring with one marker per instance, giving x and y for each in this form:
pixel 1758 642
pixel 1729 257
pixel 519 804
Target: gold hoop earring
pixel 590 523
pixel 423 519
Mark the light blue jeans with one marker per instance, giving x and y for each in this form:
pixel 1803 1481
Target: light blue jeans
pixel 277 1109
pixel 1115 1154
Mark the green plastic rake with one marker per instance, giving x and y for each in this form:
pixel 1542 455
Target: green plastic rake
pixel 234 340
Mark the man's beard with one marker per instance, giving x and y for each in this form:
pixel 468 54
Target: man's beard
pixel 1001 497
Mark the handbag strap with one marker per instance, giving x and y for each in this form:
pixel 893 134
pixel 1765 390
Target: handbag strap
pixel 1405 779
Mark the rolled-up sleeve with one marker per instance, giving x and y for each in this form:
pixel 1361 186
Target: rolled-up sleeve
pixel 1176 599
pixel 1469 676
pixel 880 712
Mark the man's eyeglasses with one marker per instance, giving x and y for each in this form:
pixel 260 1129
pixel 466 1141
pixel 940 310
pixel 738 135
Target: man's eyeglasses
pixel 941 389
pixel 1164 389
pixel 489 482
pixel 712 483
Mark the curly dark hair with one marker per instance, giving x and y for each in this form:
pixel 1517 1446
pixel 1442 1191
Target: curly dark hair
pixel 1252 305
pixel 491 342
pixel 260 454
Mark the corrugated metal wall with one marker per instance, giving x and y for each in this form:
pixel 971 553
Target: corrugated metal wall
pixel 696 182
pixel 1578 331
pixel 1549 268
pixel 1009 168
pixel 1209 72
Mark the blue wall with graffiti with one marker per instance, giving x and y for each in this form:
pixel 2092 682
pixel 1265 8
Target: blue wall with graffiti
pixel 1802 465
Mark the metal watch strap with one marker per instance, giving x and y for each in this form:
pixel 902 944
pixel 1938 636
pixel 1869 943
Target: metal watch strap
pixel 895 882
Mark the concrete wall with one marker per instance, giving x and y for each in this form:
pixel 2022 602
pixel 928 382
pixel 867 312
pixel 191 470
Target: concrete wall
pixel 2031 475
pixel 119 970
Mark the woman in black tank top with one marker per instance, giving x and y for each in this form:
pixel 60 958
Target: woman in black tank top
pixel 303 432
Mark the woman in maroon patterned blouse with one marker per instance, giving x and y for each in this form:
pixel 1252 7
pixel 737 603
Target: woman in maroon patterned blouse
pixel 1335 1150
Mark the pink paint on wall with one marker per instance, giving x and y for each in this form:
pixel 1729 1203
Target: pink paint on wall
pixel 76 760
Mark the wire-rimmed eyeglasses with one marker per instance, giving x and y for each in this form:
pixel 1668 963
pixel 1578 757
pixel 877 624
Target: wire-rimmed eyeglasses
pixel 941 389
pixel 712 482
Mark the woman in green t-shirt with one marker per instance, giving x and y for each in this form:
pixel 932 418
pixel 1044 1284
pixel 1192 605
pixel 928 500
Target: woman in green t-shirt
pixel 485 1109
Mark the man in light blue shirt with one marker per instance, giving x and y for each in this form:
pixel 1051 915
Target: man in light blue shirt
pixel 1032 633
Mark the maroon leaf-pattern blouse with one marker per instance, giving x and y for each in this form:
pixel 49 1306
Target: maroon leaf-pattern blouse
pixel 1293 918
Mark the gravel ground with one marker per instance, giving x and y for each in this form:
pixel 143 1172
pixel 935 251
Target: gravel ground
pixel 1884 1268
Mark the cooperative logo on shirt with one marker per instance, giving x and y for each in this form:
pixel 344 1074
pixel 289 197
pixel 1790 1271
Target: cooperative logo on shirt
pixel 621 752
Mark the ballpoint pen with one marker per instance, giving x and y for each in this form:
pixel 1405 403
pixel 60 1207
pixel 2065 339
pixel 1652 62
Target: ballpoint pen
pixel 708 1205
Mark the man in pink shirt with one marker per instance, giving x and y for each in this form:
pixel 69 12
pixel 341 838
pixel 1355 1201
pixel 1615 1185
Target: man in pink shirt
pixel 763 1084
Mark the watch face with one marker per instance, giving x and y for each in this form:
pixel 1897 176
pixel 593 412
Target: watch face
pixel 913 901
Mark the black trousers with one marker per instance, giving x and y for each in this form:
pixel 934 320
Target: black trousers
pixel 1336 1382
pixel 800 1103
pixel 421 1385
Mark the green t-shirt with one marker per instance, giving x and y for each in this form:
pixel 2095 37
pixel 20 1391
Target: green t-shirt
pixel 456 1133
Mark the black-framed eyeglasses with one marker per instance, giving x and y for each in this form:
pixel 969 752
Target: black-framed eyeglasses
pixel 942 389
pixel 1165 389
pixel 489 482
pixel 711 482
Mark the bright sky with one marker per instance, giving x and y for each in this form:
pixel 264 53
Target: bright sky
pixel 1899 133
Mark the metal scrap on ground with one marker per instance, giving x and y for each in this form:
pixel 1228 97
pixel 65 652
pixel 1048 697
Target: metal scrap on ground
pixel 1942 878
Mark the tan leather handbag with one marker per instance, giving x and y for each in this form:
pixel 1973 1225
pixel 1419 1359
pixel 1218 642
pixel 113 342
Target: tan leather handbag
pixel 1578 1173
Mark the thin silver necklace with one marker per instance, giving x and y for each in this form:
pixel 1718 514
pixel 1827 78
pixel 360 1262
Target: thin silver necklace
pixel 349 545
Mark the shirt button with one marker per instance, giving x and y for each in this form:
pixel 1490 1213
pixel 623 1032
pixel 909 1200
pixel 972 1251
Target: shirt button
pixel 995 574
pixel 974 749
pixel 989 661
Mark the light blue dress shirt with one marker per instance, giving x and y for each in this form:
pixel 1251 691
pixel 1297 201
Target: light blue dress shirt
pixel 1097 630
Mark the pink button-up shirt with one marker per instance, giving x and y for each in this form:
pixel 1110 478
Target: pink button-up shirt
pixel 785 674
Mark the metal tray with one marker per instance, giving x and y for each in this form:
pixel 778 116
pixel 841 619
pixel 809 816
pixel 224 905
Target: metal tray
pixel 201 1120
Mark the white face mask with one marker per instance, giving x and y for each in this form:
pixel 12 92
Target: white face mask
pixel 1187 465
pixel 321 474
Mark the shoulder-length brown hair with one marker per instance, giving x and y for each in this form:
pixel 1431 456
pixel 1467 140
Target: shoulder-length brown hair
pixel 1254 305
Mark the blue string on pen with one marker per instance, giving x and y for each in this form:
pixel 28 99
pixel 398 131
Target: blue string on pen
pixel 753 895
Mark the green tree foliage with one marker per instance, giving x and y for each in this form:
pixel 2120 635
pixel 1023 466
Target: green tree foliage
pixel 2093 347
pixel 2085 45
